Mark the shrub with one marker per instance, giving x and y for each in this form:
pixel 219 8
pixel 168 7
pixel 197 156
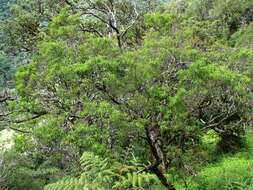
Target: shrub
pixel 230 174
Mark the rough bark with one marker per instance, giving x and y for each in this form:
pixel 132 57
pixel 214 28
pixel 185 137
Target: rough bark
pixel 155 142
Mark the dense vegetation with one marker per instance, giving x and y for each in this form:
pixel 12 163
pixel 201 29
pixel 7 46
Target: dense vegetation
pixel 126 95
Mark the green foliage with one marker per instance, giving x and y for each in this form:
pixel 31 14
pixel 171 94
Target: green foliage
pixel 6 71
pixel 243 38
pixel 99 174
pixel 232 173
pixel 197 88
pixel 232 13
pixel 4 8
pixel 19 170
pixel 21 29
pixel 158 21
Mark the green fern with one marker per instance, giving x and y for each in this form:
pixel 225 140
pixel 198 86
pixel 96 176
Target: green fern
pixel 136 181
pixel 96 173
pixel 65 184
pixel 100 174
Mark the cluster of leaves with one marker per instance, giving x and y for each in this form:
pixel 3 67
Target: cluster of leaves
pixel 230 174
pixel 99 174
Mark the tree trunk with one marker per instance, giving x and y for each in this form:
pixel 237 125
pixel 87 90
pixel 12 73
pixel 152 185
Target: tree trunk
pixel 155 142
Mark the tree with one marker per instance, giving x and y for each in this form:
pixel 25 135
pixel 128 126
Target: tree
pixel 27 19
pixel 82 82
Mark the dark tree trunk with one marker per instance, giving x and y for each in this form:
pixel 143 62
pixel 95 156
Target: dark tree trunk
pixel 155 142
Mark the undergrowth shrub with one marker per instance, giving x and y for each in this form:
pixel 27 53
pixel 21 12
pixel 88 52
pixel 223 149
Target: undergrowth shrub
pixel 230 174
